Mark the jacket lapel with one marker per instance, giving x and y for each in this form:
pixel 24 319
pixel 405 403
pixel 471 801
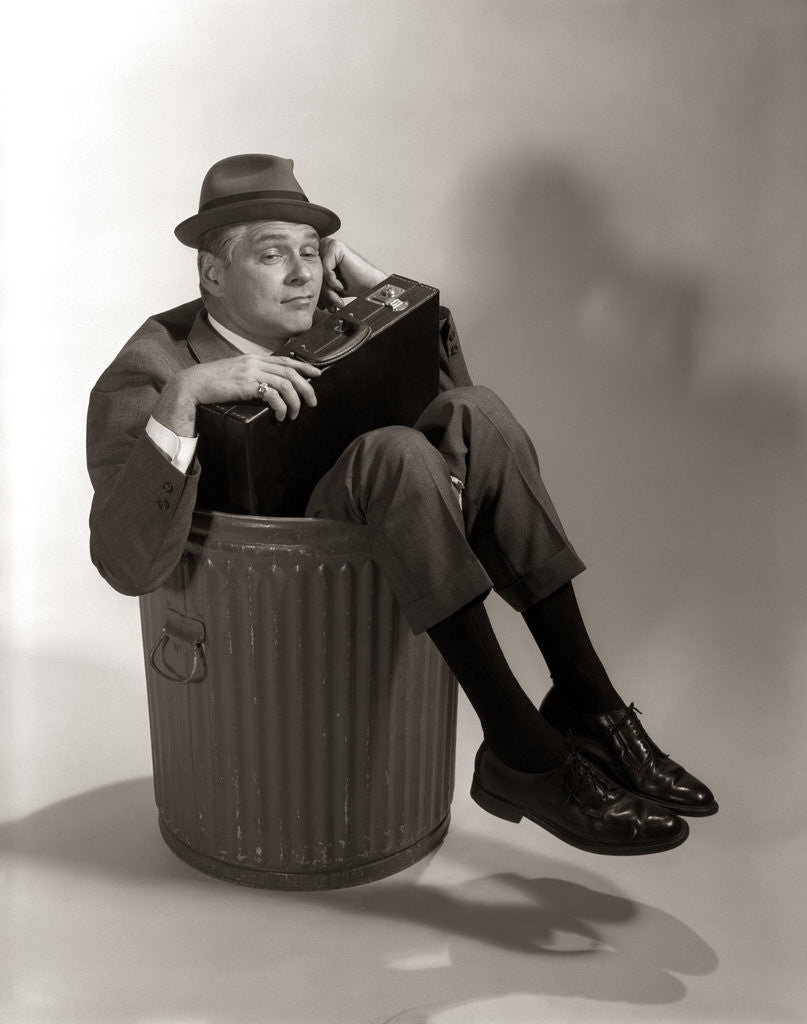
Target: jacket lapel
pixel 205 344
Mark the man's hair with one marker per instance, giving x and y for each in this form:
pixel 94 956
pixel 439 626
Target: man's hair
pixel 219 242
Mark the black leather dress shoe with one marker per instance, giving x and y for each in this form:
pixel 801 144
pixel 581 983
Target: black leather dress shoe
pixel 618 743
pixel 576 803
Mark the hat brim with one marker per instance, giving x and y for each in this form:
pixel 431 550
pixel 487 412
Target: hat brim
pixel 324 221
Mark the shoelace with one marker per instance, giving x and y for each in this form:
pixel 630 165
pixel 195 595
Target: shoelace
pixel 631 711
pixel 579 771
pixel 631 718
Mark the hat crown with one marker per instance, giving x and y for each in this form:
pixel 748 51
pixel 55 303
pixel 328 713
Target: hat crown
pixel 250 187
pixel 248 173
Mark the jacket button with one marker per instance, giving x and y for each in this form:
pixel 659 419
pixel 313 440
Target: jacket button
pixel 162 505
pixel 168 487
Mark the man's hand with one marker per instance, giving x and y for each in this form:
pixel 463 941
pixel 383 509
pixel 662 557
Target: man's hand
pixel 235 380
pixel 344 272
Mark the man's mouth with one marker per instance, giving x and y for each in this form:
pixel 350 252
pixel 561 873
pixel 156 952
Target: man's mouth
pixel 298 300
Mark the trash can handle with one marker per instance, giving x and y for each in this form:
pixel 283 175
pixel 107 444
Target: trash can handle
pixel 187 631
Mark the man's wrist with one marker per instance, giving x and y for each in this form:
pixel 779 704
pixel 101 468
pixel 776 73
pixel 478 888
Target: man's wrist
pixel 176 406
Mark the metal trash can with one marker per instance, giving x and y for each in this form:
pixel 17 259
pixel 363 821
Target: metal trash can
pixel 302 737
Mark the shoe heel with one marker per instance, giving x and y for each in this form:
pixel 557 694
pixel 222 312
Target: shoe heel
pixel 493 805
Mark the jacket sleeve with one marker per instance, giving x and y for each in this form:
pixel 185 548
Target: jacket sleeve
pixel 453 371
pixel 142 506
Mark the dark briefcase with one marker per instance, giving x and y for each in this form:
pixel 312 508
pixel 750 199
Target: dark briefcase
pixel 380 357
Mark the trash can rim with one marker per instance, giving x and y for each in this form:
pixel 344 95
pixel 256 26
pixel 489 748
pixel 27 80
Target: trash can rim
pixel 271 531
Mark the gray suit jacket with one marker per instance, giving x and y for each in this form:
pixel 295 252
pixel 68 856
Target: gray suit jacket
pixel 142 507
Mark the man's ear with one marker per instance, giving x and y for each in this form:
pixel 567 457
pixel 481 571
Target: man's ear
pixel 210 273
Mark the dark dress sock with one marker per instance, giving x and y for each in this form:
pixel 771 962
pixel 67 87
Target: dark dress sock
pixel 577 672
pixel 515 730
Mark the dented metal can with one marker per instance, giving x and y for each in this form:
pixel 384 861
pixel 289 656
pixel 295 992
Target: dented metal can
pixel 302 736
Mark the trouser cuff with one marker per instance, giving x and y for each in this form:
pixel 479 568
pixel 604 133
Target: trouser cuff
pixel 462 587
pixel 543 580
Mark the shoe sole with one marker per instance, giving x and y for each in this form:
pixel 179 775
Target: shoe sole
pixel 509 812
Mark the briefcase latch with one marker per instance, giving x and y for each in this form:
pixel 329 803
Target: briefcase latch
pixel 389 295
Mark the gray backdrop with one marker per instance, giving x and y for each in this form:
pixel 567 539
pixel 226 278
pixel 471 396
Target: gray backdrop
pixel 610 196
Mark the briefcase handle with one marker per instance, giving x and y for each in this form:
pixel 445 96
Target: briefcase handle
pixel 329 341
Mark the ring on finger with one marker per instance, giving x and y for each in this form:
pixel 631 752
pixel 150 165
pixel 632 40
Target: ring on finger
pixel 262 388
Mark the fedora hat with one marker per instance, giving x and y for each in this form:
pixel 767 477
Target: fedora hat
pixel 253 186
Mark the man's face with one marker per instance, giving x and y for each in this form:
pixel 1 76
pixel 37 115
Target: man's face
pixel 270 289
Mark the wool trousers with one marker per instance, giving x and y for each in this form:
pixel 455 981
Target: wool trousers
pixel 437 556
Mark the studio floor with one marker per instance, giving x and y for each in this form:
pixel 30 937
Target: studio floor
pixel 610 197
pixel 502 925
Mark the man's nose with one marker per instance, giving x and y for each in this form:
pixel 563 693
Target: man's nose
pixel 300 269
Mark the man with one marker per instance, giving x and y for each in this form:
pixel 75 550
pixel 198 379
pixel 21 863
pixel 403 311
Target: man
pixel 455 506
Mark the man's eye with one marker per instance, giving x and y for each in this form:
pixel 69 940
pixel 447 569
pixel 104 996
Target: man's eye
pixel 270 257
pixel 312 254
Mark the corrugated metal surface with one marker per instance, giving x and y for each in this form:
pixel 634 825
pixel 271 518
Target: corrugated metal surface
pixel 315 745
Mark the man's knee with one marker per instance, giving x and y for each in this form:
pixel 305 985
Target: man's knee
pixel 394 464
pixel 473 404
pixel 394 448
pixel 389 461
pixel 474 397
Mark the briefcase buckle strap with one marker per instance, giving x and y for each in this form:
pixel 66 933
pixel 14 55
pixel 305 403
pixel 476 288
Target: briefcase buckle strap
pixel 389 295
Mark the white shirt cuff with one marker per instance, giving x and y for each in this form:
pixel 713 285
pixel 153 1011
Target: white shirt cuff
pixel 178 450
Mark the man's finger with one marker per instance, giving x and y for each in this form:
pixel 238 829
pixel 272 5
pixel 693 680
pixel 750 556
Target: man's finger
pixel 291 390
pixel 333 302
pixel 333 281
pixel 274 364
pixel 302 387
pixel 275 402
pixel 291 366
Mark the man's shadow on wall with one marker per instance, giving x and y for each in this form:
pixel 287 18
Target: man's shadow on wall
pixel 487 938
pixel 678 471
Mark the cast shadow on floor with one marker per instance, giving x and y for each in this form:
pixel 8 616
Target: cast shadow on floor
pixel 538 932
